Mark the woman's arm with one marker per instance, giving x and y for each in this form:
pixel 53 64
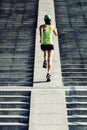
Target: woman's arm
pixel 40 31
pixel 55 31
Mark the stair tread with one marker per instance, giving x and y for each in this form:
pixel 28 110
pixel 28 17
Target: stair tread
pixel 12 124
pixel 77 116
pixel 12 109
pixel 13 96
pixel 72 109
pixel 77 123
pixel 12 116
pixel 73 96
pixel 76 102
pixel 15 102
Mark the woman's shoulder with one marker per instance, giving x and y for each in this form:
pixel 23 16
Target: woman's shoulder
pixel 42 26
pixel 52 27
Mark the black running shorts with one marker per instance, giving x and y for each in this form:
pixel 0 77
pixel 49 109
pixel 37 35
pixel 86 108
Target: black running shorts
pixel 47 47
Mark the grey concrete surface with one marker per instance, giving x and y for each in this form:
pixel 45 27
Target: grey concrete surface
pixel 46 7
pixel 48 110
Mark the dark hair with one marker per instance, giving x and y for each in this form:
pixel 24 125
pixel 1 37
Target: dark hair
pixel 48 21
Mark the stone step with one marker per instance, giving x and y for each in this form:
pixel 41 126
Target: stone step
pixel 78 77
pixel 75 83
pixel 16 79
pixel 82 109
pixel 71 66
pixel 76 99
pixel 12 92
pixel 15 102
pixel 81 92
pixel 17 84
pixel 19 50
pixel 77 102
pixel 14 111
pixel 77 127
pixel 76 105
pixel 77 111
pixel 14 105
pixel 14 98
pixel 16 72
pixel 13 118
pixel 13 126
pixel 74 70
pixel 18 60
pixel 14 68
pixel 77 119
pixel 23 65
pixel 76 96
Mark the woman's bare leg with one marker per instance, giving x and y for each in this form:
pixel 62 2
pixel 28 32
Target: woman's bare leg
pixel 45 55
pixel 50 56
pixel 45 59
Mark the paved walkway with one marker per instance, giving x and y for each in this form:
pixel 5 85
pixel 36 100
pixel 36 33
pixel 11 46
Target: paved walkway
pixel 46 7
pixel 48 108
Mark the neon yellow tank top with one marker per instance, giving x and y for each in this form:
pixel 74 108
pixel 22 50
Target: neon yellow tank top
pixel 47 35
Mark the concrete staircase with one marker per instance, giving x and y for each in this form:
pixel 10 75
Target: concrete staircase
pixel 77 109
pixel 18 21
pixel 14 110
pixel 71 19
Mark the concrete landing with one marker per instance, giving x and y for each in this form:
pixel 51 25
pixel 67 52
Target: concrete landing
pixel 48 110
pixel 46 7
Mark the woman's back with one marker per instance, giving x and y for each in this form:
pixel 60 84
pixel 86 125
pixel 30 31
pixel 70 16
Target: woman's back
pixel 47 35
